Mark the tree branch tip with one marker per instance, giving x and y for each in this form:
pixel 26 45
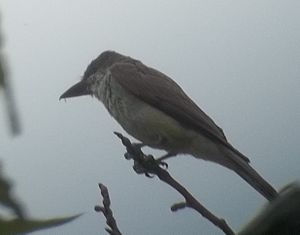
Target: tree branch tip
pixel 103 188
pixel 99 209
pixel 125 141
pixel 118 134
pixel 178 206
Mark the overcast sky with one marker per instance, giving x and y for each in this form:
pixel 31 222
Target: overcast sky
pixel 239 61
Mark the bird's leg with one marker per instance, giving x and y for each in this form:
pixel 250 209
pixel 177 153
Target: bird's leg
pixel 138 145
pixel 161 159
pixel 166 156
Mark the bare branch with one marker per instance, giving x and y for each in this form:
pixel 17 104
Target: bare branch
pixel 107 212
pixel 146 164
pixel 7 199
pixel 13 116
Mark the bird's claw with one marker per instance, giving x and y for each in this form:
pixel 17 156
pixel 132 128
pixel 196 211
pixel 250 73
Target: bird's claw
pixel 148 165
pixel 143 164
pixel 139 169
pixel 162 164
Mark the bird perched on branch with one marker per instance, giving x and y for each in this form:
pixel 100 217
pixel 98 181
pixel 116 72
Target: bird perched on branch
pixel 151 107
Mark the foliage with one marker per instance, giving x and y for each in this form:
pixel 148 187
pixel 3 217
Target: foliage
pixel 280 217
pixel 21 226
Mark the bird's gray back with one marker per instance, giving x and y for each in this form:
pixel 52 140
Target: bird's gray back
pixel 161 92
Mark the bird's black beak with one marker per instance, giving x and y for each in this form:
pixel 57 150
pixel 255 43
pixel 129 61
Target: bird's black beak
pixel 79 89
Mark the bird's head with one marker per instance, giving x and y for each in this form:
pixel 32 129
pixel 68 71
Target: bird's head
pixel 93 74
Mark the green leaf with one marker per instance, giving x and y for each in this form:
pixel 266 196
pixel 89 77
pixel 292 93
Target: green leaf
pixel 279 217
pixel 22 226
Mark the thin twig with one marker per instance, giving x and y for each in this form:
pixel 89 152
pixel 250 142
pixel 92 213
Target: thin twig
pixel 107 212
pixel 7 199
pixel 12 112
pixel 148 165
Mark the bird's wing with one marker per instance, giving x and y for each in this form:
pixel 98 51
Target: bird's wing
pixel 158 90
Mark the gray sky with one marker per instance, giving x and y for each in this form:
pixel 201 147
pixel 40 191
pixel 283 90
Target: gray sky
pixel 238 60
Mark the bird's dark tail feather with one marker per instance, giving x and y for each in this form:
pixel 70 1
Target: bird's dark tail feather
pixel 243 169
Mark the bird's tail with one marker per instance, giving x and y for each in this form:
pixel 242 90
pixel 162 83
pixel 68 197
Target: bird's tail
pixel 243 169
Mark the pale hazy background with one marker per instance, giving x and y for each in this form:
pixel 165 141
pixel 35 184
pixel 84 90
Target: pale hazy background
pixel 239 60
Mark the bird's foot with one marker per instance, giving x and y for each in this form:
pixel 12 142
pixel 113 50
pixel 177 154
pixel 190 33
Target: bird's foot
pixel 138 145
pixel 161 163
pixel 166 156
pixel 145 166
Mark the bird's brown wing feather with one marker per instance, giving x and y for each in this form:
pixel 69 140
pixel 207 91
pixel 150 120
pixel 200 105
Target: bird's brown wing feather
pixel 158 90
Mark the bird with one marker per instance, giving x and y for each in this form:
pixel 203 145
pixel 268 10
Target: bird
pixel 154 109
